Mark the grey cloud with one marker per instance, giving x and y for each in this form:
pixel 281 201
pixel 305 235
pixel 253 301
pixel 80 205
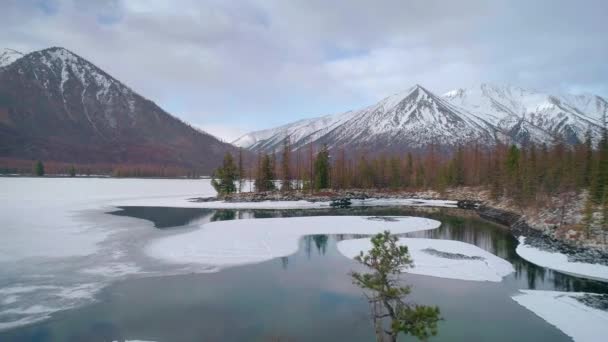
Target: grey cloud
pixel 265 62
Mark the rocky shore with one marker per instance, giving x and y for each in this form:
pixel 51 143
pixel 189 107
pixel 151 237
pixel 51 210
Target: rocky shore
pixel 467 199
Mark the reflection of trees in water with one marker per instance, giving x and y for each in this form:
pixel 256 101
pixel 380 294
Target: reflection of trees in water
pixel 321 243
pixel 223 215
pixel 284 262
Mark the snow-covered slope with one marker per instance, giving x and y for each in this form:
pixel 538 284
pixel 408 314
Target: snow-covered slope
pixel 409 119
pixel 8 56
pixel 532 115
pixel 416 118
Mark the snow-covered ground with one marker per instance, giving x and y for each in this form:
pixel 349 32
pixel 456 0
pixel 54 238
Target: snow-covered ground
pixel 442 258
pixel 231 243
pixel 559 262
pixel 561 309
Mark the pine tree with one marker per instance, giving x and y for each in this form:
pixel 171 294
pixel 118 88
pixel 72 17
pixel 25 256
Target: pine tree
pixel 600 181
pixel 286 180
pixel 387 294
pixel 72 171
pixel 512 168
pixel 39 169
pixel 241 170
pixel 265 180
pixel 588 161
pixel 224 177
pixel 409 170
pixel 322 169
pixel 395 173
pixel 458 172
pixel 588 216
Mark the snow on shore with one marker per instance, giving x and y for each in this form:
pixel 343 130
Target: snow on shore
pixel 372 202
pixel 561 309
pixel 442 258
pixel 230 243
pixel 559 262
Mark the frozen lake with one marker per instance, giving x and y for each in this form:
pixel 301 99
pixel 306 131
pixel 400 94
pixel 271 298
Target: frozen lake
pixel 75 267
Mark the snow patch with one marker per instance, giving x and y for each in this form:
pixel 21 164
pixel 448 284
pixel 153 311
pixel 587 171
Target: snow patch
pixel 559 262
pixel 562 310
pixel 455 260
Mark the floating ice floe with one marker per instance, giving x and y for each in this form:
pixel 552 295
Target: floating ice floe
pixel 442 258
pixel 565 311
pixel 559 262
pixel 230 243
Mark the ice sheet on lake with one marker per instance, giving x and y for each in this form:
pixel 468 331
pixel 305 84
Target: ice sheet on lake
pixel 40 217
pixel 561 309
pixel 559 262
pixel 442 258
pixel 230 243
pixel 58 248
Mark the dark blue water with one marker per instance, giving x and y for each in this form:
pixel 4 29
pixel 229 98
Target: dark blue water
pixel 307 296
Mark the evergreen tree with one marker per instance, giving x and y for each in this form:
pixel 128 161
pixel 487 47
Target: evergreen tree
pixel 265 180
pixel 588 161
pixel 241 170
pixel 322 169
pixel 286 180
pixel 224 178
pixel 512 168
pixel 409 170
pixel 600 181
pixel 457 170
pixel 588 216
pixel 72 171
pixel 395 173
pixel 39 169
pixel 386 296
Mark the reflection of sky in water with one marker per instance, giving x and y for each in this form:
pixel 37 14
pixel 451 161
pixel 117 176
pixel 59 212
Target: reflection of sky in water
pixel 305 296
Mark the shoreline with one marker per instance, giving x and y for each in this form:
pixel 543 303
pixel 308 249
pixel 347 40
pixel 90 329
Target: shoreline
pixel 517 224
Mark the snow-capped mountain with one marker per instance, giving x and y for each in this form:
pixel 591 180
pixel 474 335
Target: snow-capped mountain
pixel 55 105
pixel 543 116
pixel 417 117
pixel 8 56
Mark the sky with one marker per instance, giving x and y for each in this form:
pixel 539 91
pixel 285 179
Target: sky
pixel 230 67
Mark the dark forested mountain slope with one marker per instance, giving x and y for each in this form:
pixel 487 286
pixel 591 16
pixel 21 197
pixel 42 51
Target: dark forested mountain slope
pixel 55 105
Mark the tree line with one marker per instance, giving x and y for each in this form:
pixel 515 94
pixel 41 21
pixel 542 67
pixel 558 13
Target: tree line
pixel 529 174
pixel 524 173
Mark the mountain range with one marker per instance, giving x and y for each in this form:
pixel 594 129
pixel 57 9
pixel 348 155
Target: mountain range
pixel 57 106
pixel 417 117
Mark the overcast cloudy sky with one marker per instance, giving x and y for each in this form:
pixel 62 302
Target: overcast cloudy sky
pixel 235 66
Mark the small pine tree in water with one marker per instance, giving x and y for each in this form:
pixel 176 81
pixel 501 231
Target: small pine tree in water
pixel 391 314
pixel 39 169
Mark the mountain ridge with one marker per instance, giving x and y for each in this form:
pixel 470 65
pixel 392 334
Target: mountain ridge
pixel 56 105
pixel 417 117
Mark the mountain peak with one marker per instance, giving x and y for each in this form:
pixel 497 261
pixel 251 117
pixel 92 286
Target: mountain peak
pixel 8 56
